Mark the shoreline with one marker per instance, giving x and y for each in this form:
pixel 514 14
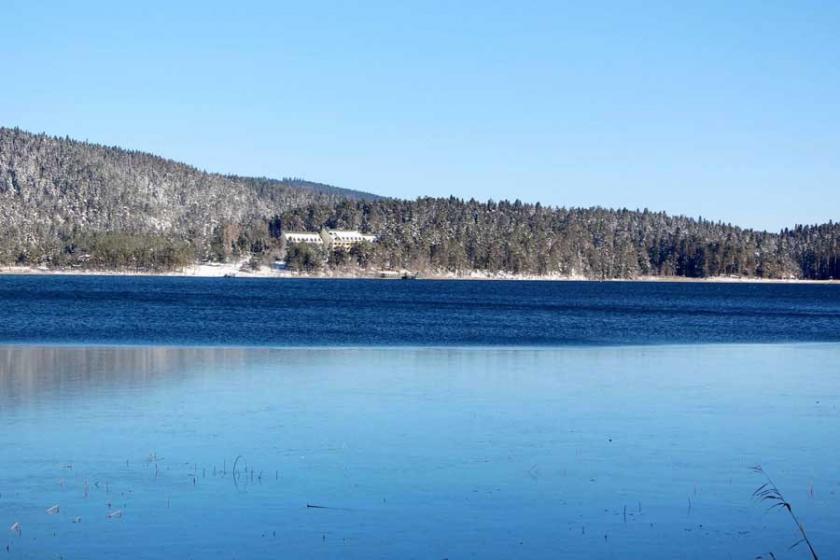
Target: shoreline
pixel 234 270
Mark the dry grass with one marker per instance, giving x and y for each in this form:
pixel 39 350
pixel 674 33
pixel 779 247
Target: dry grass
pixel 769 492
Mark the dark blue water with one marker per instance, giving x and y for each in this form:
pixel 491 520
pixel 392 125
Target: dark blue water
pixel 210 311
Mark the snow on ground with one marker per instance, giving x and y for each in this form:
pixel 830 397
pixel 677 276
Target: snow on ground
pixel 241 269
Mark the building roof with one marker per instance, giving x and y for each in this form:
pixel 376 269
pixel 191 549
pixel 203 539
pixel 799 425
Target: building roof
pixel 348 235
pixel 331 236
pixel 303 236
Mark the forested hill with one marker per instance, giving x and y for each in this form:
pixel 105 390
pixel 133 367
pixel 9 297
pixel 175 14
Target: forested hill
pixel 56 189
pixel 460 236
pixel 68 203
pixel 268 188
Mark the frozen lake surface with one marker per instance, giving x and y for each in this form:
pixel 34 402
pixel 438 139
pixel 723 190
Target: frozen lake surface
pixel 567 452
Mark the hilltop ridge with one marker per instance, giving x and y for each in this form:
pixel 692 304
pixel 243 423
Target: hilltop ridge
pixel 66 203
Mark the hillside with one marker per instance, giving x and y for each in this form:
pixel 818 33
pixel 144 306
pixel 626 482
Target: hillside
pixel 461 236
pixel 267 187
pixel 55 189
pixel 69 203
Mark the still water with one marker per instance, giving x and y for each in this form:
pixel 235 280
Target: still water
pixel 482 452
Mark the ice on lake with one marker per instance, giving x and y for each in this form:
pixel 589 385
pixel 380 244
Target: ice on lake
pixel 604 452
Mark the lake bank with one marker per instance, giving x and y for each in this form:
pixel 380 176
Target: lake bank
pixel 220 270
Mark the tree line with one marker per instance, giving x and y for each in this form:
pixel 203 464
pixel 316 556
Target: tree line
pixel 453 235
pixel 67 203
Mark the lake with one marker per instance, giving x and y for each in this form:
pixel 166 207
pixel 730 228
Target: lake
pixel 262 312
pixel 196 418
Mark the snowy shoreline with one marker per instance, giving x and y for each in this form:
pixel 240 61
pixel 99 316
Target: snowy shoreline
pixel 220 270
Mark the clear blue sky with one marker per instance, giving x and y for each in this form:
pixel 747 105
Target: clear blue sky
pixel 729 110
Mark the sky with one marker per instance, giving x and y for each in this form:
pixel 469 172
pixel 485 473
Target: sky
pixel 725 110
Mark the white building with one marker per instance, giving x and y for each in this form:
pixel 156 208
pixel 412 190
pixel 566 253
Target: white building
pixel 344 239
pixel 330 238
pixel 302 237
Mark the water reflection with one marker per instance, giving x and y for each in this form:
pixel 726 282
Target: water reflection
pixel 32 374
